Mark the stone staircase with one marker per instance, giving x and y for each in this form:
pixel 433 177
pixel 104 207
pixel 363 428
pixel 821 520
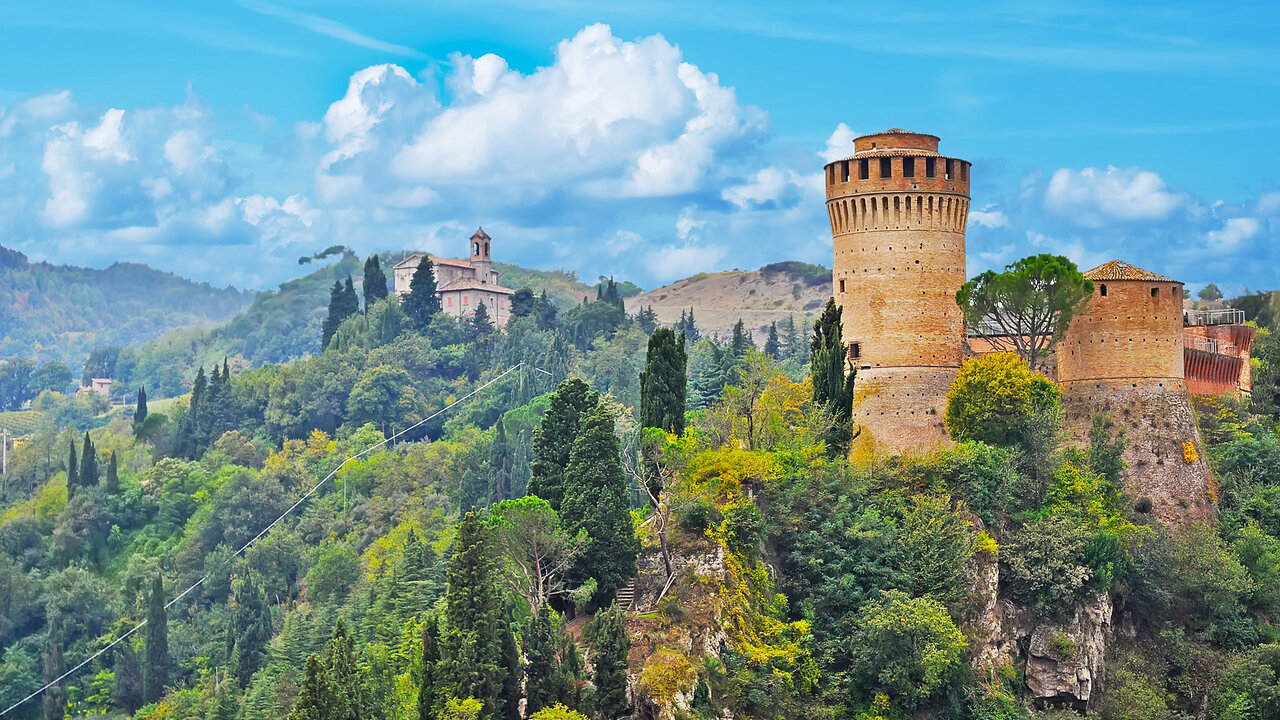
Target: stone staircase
pixel 626 595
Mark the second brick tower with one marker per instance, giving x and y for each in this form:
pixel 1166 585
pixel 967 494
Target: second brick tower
pixel 898 211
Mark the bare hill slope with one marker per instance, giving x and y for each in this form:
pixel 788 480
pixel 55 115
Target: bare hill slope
pixel 758 297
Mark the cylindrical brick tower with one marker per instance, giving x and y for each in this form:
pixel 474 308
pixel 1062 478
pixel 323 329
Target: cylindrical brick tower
pixel 1123 357
pixel 898 212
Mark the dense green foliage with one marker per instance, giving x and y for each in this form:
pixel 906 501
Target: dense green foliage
pixel 663 383
pixel 1027 307
pixel 62 313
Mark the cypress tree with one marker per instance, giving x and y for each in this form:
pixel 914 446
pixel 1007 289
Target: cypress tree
pixel 156 673
pixel 140 410
pixel 89 473
pixel 472 659
pixel 511 690
pixel 126 691
pixel 664 382
pixel 541 669
pixel 375 282
pixel 428 696
pixel 73 475
pixel 500 457
pixel 691 331
pixel 553 440
pixel 831 387
pixel 790 346
pixel 611 643
pixel 249 632
pixel 55 698
pixel 479 323
pixel 331 320
pixel 771 347
pixel 570 676
pixel 350 301
pixel 596 499
pixel 422 303
pixel 113 475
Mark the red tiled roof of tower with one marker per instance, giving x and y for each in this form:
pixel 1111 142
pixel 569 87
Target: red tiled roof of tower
pixel 1121 270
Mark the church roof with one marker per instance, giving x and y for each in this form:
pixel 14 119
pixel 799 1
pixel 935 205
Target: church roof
pixel 1121 270
pixel 465 283
pixel 415 260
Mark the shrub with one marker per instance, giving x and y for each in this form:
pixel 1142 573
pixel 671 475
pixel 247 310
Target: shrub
pixel 998 400
pixel 743 525
pixel 1045 565
pixel 907 648
pixel 697 516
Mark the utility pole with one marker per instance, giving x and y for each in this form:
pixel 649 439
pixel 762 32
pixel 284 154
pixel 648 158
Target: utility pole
pixel 4 461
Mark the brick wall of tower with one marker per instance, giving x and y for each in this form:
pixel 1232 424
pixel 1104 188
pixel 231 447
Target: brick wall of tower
pixel 898 211
pixel 1128 333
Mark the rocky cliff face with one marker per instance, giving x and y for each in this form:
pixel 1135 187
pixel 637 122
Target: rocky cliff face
pixel 1062 660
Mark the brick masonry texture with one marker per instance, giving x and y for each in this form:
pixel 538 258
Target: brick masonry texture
pixel 898 212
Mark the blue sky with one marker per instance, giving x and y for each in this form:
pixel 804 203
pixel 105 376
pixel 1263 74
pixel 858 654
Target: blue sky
pixel 224 140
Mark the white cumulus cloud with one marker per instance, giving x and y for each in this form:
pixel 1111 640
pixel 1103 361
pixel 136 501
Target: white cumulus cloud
pixel 1093 197
pixel 1233 233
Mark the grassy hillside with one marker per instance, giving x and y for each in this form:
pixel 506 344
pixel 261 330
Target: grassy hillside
pixel 758 297
pixel 51 312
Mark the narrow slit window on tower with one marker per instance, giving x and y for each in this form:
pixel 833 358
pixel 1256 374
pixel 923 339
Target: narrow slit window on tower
pixel 864 169
pixel 908 167
pixel 842 285
pixel 844 171
pixel 964 171
pixel 886 168
pixel 1102 290
pixel 930 167
pixel 946 170
pixel 1155 292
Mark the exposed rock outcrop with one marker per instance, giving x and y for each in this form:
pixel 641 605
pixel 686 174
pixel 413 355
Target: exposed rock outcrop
pixel 1065 659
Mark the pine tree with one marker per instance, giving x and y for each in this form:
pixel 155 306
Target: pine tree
pixel 73 475
pixel 664 382
pixel 771 347
pixel 89 473
pixel 345 673
pixel 831 387
pixel 541 668
pixel 422 303
pixel 741 342
pixel 553 440
pixel 113 475
pixel 479 326
pixel 790 345
pixel 156 673
pixel 596 499
pixel 140 410
pixel 224 705
pixel 691 332
pixel 708 374
pixel 428 680
pixel 319 698
pixel 647 319
pixel 375 282
pixel 611 643
pixel 249 632
pixel 472 660
pixel 126 692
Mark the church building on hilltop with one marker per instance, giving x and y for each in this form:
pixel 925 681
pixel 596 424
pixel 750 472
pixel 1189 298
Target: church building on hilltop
pixel 462 285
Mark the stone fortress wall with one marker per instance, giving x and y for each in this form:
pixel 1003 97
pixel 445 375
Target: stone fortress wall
pixel 898 210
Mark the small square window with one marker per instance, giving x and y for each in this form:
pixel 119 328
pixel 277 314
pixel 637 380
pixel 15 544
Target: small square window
pixel 1102 290
pixel 1155 292
pixel 855 351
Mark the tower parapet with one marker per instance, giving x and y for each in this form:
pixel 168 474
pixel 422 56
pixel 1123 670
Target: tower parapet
pixel 898 211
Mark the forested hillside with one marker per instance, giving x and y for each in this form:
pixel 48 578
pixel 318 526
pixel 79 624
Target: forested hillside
pixel 51 312
pixel 587 514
